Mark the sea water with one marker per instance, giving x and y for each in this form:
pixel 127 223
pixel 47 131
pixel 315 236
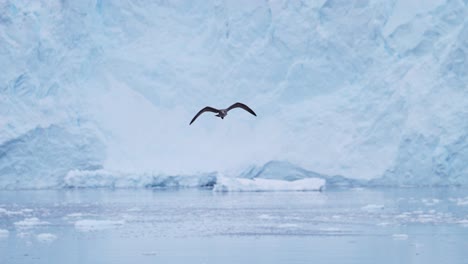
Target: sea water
pixel 413 225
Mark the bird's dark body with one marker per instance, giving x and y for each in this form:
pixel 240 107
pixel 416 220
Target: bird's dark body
pixel 223 112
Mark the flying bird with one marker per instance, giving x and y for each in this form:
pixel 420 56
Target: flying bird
pixel 223 112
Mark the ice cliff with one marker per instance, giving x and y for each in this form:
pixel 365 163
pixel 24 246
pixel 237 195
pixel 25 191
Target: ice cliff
pixel 372 90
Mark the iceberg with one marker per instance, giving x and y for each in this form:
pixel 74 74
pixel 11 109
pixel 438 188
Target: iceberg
pixel 225 184
pixel 106 179
pixel 99 93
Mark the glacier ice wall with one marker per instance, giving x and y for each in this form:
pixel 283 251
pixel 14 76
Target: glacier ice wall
pixel 362 89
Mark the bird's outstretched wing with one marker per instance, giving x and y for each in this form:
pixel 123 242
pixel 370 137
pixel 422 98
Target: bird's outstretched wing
pixel 206 109
pixel 243 106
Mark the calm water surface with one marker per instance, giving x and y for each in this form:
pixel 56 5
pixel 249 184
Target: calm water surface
pixel 200 226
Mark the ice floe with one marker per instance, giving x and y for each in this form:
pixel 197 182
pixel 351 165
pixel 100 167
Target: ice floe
pixel 28 223
pixel 95 225
pixel 46 237
pixel 226 184
pixel 4 233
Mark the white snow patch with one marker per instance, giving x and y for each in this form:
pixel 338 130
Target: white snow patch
pixel 46 237
pixel 94 225
pixel 227 184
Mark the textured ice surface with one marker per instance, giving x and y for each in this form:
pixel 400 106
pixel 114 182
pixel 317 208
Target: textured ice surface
pixel 360 89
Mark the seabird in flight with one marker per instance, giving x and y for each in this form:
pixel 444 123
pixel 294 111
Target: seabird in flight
pixel 223 112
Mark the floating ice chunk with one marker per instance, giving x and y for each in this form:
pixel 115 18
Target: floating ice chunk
pixel 30 223
pixel 4 211
pixel 400 236
pixel 266 217
pixel 151 253
pixel 373 207
pixel 75 215
pixel 463 222
pixel 426 218
pixel 383 224
pixel 288 226
pixel 94 225
pixel 4 233
pixel 134 209
pixel 330 229
pixel 430 202
pixel 226 184
pixel 46 237
pixel 23 234
pixel 461 201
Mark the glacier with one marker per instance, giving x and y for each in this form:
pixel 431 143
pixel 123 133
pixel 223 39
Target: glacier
pixel 98 93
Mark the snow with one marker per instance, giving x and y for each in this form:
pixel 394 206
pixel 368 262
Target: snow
pixel 99 94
